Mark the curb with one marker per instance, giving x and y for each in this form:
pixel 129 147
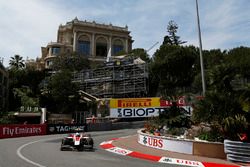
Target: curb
pixel 108 146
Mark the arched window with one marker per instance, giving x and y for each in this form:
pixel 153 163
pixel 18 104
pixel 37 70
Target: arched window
pixel 83 45
pixel 101 47
pixel 55 50
pixel 117 46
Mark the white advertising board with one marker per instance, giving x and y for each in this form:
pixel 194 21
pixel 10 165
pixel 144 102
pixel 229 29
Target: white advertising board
pixel 166 144
pixel 134 112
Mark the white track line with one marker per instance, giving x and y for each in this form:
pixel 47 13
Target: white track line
pixel 26 159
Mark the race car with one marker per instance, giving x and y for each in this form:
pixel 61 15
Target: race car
pixel 78 141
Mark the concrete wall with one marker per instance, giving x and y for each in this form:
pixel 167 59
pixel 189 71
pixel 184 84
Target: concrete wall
pixel 199 148
pixel 212 150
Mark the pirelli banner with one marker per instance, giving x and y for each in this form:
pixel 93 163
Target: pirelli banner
pixel 135 107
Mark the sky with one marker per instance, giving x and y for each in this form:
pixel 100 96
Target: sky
pixel 27 25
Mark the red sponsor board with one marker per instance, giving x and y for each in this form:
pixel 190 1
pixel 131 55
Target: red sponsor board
pixel 8 131
pixel 134 103
pixel 180 102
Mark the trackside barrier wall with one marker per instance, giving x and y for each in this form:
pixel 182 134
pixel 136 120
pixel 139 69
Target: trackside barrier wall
pixel 20 130
pixel 200 148
pixel 15 130
pixel 104 126
pixel 65 128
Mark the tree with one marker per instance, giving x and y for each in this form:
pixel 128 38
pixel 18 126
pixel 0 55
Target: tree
pixel 172 68
pixel 223 104
pixel 139 52
pixel 18 79
pixel 72 62
pixel 240 59
pixel 17 62
pixel 213 57
pixel 172 38
pixel 26 96
pixel 63 91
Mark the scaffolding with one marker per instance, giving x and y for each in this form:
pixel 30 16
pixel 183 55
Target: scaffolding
pixel 117 79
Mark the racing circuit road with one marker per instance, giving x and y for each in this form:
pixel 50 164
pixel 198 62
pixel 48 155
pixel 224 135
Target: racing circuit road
pixel 44 151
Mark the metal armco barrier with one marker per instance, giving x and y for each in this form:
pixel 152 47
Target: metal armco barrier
pixel 64 128
pixel 237 151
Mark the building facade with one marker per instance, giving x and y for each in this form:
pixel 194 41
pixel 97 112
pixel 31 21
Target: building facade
pixel 89 39
pixel 3 88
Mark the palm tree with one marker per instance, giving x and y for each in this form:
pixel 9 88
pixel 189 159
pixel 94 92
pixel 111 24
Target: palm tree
pixel 17 62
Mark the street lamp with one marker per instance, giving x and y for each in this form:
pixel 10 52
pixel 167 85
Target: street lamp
pixel 201 57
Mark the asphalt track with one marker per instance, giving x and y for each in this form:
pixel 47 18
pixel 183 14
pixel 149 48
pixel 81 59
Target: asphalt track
pixel 44 151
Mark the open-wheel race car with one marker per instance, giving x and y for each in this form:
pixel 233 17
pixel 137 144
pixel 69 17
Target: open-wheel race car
pixel 78 140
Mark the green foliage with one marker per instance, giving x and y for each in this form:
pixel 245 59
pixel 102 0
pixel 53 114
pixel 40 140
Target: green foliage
pixel 139 52
pixel 213 57
pixel 152 124
pixel 220 78
pixel 233 126
pixel 16 62
pixel 212 136
pixel 72 62
pixel 174 116
pixel 239 58
pixel 172 38
pixel 215 106
pixel 172 68
pixel 23 84
pixel 19 81
pixel 7 119
pixel 244 100
pixel 25 95
pixel 225 102
pixel 63 91
pixel 176 131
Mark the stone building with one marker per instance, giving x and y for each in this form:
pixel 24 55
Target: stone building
pixel 3 88
pixel 89 39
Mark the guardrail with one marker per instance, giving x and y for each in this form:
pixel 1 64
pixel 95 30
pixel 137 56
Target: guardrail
pixel 237 151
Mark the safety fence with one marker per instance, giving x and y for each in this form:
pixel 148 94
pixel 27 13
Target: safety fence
pixel 237 151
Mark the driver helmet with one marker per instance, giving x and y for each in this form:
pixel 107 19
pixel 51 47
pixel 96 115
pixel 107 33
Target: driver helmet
pixel 77 134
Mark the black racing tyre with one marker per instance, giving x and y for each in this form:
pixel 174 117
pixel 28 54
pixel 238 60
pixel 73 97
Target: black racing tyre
pixel 61 149
pixel 63 141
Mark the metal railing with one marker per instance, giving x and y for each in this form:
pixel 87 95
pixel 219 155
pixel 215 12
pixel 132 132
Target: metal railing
pixel 237 151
